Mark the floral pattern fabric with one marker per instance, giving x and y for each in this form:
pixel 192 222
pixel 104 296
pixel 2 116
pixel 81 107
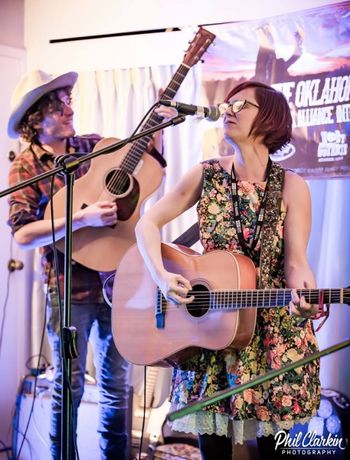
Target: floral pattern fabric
pixel 278 339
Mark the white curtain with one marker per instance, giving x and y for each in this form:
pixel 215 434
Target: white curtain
pixel 329 255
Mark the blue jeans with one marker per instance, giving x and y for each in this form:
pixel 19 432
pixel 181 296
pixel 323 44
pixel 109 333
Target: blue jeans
pixel 92 321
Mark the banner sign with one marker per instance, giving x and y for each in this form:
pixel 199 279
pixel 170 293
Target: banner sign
pixel 306 55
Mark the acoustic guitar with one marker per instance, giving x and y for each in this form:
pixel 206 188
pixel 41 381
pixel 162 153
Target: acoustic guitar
pixel 150 331
pixel 128 177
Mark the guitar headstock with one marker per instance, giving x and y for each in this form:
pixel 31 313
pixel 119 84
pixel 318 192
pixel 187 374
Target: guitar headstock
pixel 198 46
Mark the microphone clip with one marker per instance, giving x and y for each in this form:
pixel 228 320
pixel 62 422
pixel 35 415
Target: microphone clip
pixel 68 162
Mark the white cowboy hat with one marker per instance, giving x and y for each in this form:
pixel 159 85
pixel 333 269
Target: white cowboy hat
pixel 30 89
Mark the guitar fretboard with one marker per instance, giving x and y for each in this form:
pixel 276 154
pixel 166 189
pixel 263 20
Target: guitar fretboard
pixel 264 298
pixel 138 147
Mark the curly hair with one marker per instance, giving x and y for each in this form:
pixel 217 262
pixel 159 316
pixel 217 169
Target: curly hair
pixel 274 120
pixel 49 103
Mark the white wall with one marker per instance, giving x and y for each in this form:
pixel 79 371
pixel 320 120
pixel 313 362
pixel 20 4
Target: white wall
pixel 12 23
pixel 14 288
pixel 50 20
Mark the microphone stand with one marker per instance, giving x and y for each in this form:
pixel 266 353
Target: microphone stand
pixel 68 333
pixel 218 396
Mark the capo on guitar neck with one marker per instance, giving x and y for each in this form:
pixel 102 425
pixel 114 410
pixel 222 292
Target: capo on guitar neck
pixel 323 312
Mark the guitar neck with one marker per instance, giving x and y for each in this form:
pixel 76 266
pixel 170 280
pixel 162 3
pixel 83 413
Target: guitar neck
pixel 138 147
pixel 270 298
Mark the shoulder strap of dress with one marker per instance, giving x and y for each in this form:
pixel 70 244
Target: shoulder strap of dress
pixel 210 161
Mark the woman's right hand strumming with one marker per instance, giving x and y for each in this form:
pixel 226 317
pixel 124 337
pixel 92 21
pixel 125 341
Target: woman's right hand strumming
pixel 175 288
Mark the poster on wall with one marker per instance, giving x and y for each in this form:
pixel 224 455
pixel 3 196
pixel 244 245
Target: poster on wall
pixel 306 55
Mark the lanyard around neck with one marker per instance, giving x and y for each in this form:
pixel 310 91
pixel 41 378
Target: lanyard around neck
pixel 248 249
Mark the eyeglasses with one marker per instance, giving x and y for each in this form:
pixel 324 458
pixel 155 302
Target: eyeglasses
pixel 236 106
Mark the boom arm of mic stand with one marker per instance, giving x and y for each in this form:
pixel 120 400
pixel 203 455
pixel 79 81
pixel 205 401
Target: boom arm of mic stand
pixel 111 148
pixel 121 144
pixel 198 405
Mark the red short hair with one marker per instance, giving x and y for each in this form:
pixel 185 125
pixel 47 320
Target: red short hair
pixel 274 120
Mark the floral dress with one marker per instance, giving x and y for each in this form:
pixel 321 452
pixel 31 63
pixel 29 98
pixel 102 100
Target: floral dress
pixel 278 340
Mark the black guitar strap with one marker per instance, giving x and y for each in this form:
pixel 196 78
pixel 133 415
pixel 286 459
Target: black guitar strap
pixel 272 214
pixel 189 237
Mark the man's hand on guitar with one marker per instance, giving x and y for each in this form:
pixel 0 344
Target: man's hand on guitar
pixel 175 288
pixel 99 214
pixel 166 112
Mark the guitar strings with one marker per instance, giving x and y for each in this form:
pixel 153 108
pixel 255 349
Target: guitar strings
pixel 233 298
pixel 310 293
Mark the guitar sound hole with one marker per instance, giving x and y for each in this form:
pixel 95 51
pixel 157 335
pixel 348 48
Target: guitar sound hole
pixel 117 182
pixel 200 304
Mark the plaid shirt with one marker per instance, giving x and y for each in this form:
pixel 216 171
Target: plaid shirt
pixel 28 205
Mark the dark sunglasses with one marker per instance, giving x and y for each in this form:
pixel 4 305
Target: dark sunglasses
pixel 236 106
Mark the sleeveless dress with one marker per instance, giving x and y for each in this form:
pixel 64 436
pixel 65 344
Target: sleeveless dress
pixel 278 339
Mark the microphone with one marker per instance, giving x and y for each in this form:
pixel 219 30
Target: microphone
pixel 210 113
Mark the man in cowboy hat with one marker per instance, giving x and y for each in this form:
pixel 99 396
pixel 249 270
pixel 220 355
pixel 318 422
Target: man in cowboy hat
pixel 42 115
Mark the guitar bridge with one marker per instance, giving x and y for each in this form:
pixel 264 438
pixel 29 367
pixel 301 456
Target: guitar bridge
pixel 159 313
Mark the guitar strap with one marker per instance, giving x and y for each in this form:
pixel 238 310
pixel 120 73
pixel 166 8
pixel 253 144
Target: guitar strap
pixel 248 249
pixel 189 237
pixel 271 217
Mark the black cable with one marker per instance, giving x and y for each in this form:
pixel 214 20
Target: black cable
pixel 143 119
pixel 145 123
pixel 144 411
pixel 6 300
pixel 6 449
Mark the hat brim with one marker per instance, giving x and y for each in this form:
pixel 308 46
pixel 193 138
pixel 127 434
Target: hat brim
pixel 18 112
